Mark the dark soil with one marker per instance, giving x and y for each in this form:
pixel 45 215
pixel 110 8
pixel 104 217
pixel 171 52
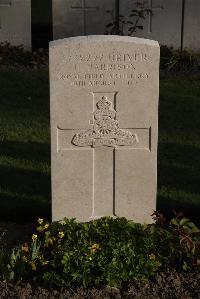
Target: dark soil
pixel 166 285
pixel 169 284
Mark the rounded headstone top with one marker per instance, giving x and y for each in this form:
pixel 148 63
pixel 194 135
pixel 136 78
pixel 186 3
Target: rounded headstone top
pixel 103 38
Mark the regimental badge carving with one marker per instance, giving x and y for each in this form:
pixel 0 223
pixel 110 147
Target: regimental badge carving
pixel 105 129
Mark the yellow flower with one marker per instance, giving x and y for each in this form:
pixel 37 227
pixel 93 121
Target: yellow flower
pixel 46 262
pixel 34 237
pixel 40 220
pixel 90 258
pixel 33 266
pixel 61 235
pixel 24 258
pixel 95 247
pixel 152 256
pixel 46 226
pixel 25 247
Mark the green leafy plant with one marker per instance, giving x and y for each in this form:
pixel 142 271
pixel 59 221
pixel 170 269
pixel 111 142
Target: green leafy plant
pixel 183 61
pixel 107 251
pixel 22 261
pixel 188 234
pixel 121 25
pixel 183 237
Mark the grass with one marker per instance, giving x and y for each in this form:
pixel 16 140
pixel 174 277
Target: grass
pixel 179 145
pixel 25 188
pixel 25 184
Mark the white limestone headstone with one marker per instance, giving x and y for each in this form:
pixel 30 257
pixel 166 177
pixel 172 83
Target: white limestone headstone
pixel 15 22
pixel 163 24
pixel 104 127
pixel 80 17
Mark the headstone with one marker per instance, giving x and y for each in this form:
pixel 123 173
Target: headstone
pixel 80 17
pixel 104 114
pixel 191 36
pixel 163 24
pixel 15 22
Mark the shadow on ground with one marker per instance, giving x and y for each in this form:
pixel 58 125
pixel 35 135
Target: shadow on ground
pixel 25 189
pixel 178 179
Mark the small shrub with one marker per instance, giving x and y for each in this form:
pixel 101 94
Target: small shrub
pixel 179 61
pixel 106 251
pixel 183 60
pixel 17 56
pixel 122 25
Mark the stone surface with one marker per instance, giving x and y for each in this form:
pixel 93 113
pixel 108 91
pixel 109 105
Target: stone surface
pixel 104 113
pixel 15 22
pixel 80 17
pixel 163 25
pixel 84 17
pixel 191 35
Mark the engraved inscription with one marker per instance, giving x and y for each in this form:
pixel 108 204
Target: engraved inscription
pixel 105 129
pixel 106 69
pixel 112 57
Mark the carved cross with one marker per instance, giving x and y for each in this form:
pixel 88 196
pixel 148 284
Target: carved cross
pixel 150 15
pixel 104 138
pixel 83 9
pixel 4 3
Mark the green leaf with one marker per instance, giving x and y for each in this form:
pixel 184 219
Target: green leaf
pixel 184 221
pixel 174 221
pixel 185 266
